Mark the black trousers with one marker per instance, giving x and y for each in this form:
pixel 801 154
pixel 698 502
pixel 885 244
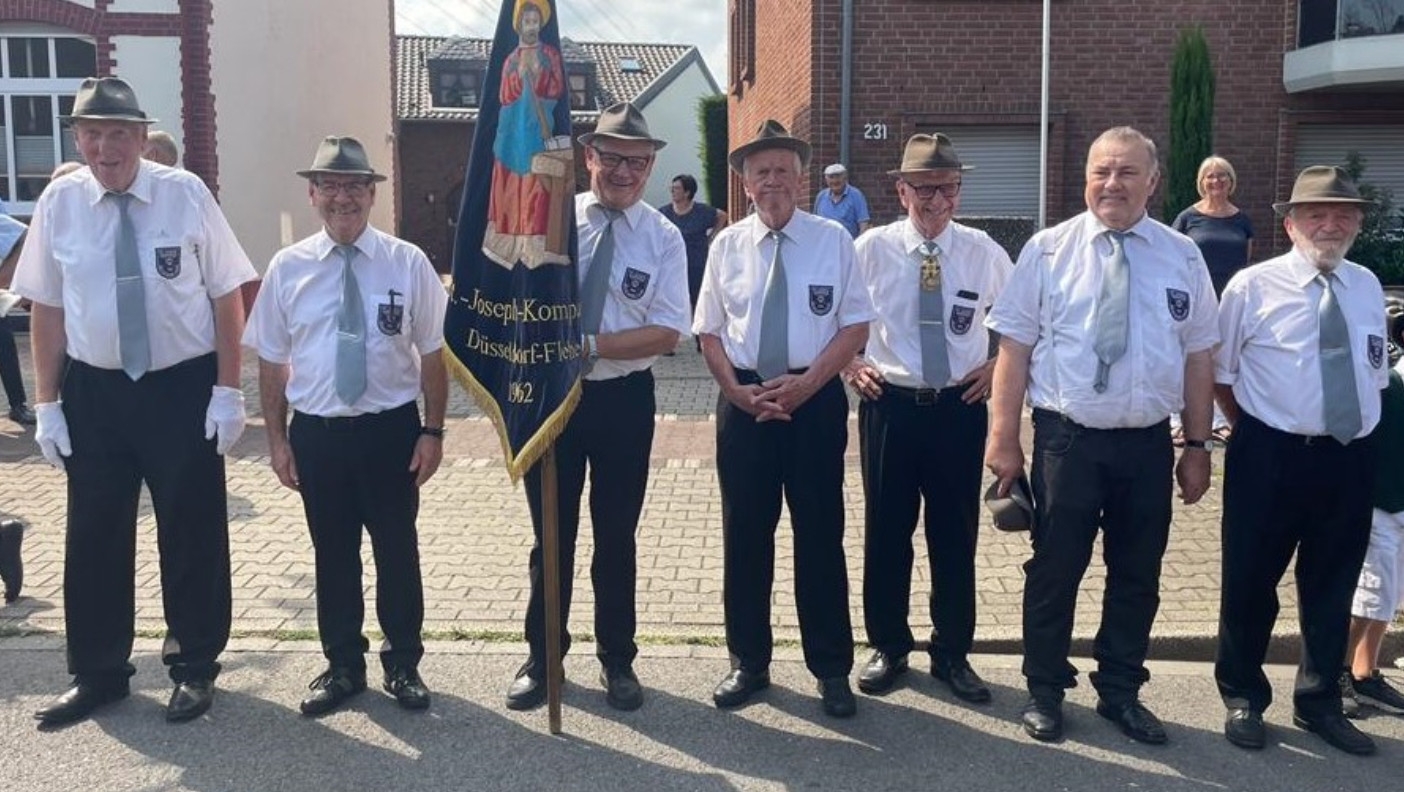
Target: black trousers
pixel 611 432
pixel 354 473
pixel 801 460
pixel 125 433
pixel 10 375
pixel 1117 481
pixel 1283 494
pixel 931 449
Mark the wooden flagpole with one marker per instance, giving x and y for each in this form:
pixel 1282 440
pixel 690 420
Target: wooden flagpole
pixel 551 582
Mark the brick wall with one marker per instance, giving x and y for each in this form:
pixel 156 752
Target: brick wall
pixel 979 63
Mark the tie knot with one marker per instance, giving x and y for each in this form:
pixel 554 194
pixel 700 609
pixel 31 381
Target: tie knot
pixel 777 236
pixel 611 214
pixel 347 252
pixel 120 198
pixel 1118 238
pixel 930 249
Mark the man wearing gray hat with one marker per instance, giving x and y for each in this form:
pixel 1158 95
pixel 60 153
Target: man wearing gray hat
pixel 634 306
pixel 134 275
pixel 1299 374
pixel 348 328
pixel 925 374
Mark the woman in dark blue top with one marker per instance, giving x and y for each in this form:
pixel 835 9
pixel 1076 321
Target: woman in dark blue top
pixel 697 222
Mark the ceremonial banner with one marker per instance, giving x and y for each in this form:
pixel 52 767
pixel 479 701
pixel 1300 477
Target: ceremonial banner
pixel 513 322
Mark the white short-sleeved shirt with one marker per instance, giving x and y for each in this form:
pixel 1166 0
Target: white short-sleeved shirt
pixel 974 269
pixel 294 320
pixel 1271 349
pixel 189 256
pixel 648 277
pixel 825 290
pixel 1050 304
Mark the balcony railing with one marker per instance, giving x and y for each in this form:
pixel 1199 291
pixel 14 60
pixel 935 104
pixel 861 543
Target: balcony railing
pixel 1321 21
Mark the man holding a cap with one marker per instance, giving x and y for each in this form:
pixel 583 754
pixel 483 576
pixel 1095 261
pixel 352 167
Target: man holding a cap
pixel 634 306
pixel 842 202
pixel 1108 326
pixel 1299 375
pixel 926 374
pixel 134 275
pixel 348 328
pixel 782 310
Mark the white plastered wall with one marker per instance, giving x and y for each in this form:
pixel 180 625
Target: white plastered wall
pixel 672 116
pixel 151 65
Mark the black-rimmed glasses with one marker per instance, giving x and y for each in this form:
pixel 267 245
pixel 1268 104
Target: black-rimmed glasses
pixel 950 190
pixel 611 160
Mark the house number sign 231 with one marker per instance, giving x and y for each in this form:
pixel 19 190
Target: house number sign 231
pixel 875 130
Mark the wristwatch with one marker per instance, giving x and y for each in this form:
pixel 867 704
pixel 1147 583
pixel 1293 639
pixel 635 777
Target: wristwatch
pixel 592 344
pixel 1207 445
pixel 432 431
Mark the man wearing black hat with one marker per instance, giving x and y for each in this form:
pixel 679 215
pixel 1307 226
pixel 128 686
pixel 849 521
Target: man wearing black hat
pixel 782 310
pixel 634 306
pixel 134 275
pixel 1299 375
pixel 925 374
pixel 1107 326
pixel 349 331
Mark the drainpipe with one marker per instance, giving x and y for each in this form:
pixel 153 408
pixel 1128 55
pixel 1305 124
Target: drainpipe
pixel 846 80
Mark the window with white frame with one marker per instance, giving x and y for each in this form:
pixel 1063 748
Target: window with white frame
pixel 39 74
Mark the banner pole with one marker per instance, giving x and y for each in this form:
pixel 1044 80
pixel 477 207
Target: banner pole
pixel 551 582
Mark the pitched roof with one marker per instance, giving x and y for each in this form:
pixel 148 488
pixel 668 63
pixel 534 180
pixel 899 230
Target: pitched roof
pixel 623 71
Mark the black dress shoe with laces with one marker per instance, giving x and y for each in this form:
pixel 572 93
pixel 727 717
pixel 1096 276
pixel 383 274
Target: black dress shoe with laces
pixel 1043 719
pixel 739 686
pixel 331 689
pixel 881 672
pixel 963 682
pixel 1244 727
pixel 190 699
pixel 79 701
pixel 1135 721
pixel 11 558
pixel 1336 730
pixel 528 688
pixel 622 688
pixel 837 697
pixel 407 688
pixel 22 415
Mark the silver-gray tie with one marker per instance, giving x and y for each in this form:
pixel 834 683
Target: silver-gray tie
pixel 133 337
pixel 350 333
pixel 1340 401
pixel 596 286
pixel 1112 310
pixel 773 359
pixel 931 316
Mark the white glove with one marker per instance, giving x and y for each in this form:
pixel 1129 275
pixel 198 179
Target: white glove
pixel 52 433
pixel 225 418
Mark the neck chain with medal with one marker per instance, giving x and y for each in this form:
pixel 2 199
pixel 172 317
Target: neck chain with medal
pixel 930 267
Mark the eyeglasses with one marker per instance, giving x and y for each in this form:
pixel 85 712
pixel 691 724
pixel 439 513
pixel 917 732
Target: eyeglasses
pixel 611 160
pixel 353 189
pixel 950 190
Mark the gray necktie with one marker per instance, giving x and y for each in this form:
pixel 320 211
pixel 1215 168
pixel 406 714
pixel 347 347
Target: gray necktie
pixel 774 356
pixel 1341 402
pixel 133 339
pixel 1112 307
pixel 592 294
pixel 350 333
pixel 935 358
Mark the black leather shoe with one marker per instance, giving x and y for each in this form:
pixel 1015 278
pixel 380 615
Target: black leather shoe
pixel 331 689
pixel 881 672
pixel 11 558
pixel 1135 721
pixel 22 414
pixel 1043 719
pixel 1244 727
pixel 738 687
pixel 79 701
pixel 837 697
pixel 963 682
pixel 407 688
pixel 622 688
pixel 190 700
pixel 528 688
pixel 1339 732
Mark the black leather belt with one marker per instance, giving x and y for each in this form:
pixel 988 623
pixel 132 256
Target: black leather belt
pixel 922 397
pixel 353 423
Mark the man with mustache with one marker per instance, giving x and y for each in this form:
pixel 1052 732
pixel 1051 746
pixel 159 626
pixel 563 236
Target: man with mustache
pixel 1299 375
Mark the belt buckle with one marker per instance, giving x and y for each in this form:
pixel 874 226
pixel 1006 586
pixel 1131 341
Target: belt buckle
pixel 925 397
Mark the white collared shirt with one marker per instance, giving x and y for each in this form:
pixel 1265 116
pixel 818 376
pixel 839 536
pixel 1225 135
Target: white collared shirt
pixel 825 290
pixel 974 269
pixel 1050 304
pixel 189 256
pixel 1271 350
pixel 293 320
pixel 648 277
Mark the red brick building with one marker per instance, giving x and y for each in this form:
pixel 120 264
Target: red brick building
pixel 1298 81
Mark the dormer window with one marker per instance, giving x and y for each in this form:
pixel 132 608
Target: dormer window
pixel 630 66
pixel 456 84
